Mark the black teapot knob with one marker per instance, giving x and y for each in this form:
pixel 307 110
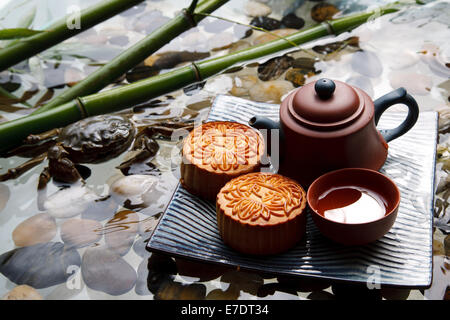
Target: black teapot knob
pixel 324 88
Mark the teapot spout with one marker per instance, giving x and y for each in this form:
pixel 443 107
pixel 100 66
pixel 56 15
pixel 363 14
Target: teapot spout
pixel 259 122
pixel 274 137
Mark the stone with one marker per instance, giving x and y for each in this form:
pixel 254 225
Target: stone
pixel 270 91
pixel 273 68
pixel 245 281
pixel 121 230
pixel 295 76
pixel 414 83
pixel 273 35
pixel 266 23
pixel 80 233
pixel 242 84
pixel 367 63
pixel 141 287
pixel 395 293
pixel 215 26
pixel 41 265
pixel 69 202
pixel 22 292
pixel 147 225
pixel 178 291
pixel 232 293
pixel 257 9
pixel 39 228
pixel 447 245
pixel 323 11
pixel 104 270
pixel 140 247
pixel 119 40
pixel 132 188
pixel 100 209
pixel 292 21
pixel 161 269
pixel 363 83
pixel 203 271
pixel 320 295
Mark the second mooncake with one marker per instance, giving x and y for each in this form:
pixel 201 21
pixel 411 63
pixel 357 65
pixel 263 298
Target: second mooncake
pixel 261 213
pixel 216 152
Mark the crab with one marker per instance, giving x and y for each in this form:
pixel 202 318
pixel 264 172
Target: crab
pixel 92 140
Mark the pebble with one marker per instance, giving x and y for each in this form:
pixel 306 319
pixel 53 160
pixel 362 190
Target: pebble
pixel 323 11
pixel 447 245
pixel 147 225
pixel 245 281
pixel 270 91
pixel 132 188
pixel 242 84
pixel 22 292
pixel 215 26
pixel 320 295
pixel 178 291
pixel 141 287
pixel 72 76
pixel 104 270
pixel 273 35
pixel 395 293
pixel 292 21
pixel 80 233
pixel 266 23
pixel 40 266
pixel 414 83
pixel 232 293
pixel 100 209
pixel 257 9
pixel 140 247
pixel 295 76
pixel 39 228
pixel 69 202
pixel 367 63
pixel 273 68
pixel 161 269
pixel 121 231
pixel 203 271
pixel 363 83
pixel 119 40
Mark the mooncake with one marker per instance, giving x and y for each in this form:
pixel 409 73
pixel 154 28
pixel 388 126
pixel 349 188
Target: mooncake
pixel 261 213
pixel 216 152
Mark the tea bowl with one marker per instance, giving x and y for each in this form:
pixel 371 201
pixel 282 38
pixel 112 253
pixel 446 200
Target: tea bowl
pixel 353 227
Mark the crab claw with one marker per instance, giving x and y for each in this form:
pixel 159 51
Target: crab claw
pixel 61 168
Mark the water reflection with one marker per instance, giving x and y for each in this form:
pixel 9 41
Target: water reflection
pixel 103 226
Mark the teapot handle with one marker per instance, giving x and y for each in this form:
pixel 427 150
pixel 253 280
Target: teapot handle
pixel 397 96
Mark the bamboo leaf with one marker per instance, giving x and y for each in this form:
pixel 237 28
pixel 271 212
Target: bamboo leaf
pixel 17 33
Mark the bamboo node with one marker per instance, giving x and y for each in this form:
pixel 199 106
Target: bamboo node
pixel 329 28
pixel 196 70
pixel 189 17
pixel 81 108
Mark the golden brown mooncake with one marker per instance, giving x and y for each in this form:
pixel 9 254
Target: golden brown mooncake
pixel 216 152
pixel 261 213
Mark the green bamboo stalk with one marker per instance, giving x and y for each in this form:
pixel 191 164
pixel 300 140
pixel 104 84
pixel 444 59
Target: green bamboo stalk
pixel 12 133
pixel 134 55
pixel 58 32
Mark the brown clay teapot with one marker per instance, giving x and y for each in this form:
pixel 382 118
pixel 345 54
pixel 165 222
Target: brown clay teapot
pixel 328 125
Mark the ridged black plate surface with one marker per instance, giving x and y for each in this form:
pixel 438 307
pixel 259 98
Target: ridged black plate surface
pixel 403 257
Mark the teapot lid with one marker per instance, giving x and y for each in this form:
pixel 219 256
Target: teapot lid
pixel 326 104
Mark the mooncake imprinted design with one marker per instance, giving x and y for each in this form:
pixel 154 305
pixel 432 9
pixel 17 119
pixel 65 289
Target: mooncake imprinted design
pixel 261 213
pixel 217 152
